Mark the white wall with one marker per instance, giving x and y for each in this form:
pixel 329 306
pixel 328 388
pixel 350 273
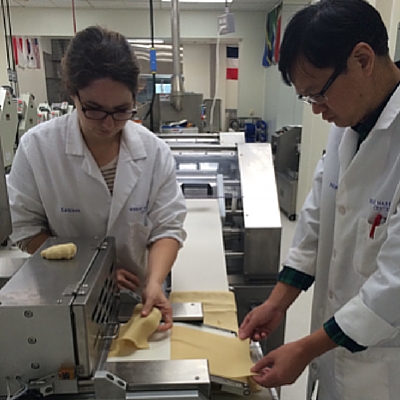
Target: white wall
pixel 250 30
pixel 394 26
pixel 313 141
pixel 3 62
pixel 281 106
pixel 251 71
pixel 397 49
pixel 196 68
pixel 290 109
pixel 231 94
pixel 272 83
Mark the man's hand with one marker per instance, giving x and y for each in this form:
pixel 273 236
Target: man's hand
pixel 261 322
pixel 281 366
pixel 127 280
pixel 285 364
pixel 153 296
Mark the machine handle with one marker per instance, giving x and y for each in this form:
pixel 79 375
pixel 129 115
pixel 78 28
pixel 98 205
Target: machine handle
pixel 115 332
pixel 203 186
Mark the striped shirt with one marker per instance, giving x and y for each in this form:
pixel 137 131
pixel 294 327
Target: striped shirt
pixel 109 171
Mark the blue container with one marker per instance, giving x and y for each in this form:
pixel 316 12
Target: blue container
pixel 250 133
pixel 262 131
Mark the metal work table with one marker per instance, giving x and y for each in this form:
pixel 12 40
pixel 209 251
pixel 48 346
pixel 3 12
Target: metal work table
pixel 200 266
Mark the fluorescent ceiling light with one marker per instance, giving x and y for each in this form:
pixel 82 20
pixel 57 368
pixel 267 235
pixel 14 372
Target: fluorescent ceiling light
pixel 145 41
pixel 200 1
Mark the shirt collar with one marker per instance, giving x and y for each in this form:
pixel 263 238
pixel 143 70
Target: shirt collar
pixel 365 127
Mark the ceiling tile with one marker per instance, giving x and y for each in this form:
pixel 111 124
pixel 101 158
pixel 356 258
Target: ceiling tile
pixel 236 5
pixel 141 5
pixel 68 3
pixel 35 3
pixel 101 4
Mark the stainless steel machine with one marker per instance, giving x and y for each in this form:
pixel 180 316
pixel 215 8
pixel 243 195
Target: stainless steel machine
pixel 213 119
pixel 241 176
pixel 5 217
pixel 27 115
pixel 164 113
pixel 58 318
pixel 8 124
pixel 286 150
pixel 16 117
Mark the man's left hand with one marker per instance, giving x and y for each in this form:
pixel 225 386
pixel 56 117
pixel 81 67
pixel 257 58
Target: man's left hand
pixel 281 366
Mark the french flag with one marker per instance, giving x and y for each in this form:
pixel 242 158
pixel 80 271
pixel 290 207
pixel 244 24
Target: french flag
pixel 232 63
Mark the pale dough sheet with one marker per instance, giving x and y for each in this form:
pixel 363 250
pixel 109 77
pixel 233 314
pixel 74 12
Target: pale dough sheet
pixel 227 357
pixel 134 334
pixel 219 308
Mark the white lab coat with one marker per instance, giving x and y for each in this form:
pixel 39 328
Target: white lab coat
pixel 56 184
pixel 357 279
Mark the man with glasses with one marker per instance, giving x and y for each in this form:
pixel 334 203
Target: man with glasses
pixel 335 54
pixel 96 173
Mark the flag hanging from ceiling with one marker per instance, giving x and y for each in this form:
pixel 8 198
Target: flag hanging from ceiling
pixel 26 52
pixel 20 52
pixel 232 63
pixel 272 37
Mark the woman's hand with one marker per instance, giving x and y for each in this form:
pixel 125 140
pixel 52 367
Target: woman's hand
pixel 127 280
pixel 153 296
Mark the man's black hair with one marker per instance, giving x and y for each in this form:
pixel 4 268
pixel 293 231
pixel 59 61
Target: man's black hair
pixel 325 33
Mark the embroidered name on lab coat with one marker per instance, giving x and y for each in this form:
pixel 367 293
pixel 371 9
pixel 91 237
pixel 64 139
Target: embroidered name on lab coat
pixel 141 209
pixel 380 205
pixel 333 185
pixel 138 209
pixel 70 210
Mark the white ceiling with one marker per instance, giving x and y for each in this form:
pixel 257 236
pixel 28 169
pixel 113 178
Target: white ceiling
pixel 236 5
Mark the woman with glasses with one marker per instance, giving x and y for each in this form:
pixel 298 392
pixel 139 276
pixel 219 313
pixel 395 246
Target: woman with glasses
pixel 335 53
pixel 96 173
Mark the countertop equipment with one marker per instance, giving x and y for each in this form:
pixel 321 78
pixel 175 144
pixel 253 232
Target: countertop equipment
pixel 286 150
pixel 241 177
pixel 164 113
pixel 60 319
pixel 8 125
pixel 27 114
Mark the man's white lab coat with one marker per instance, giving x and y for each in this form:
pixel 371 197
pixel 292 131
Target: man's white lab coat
pixel 357 278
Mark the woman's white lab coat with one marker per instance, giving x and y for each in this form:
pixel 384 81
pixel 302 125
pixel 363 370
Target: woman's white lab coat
pixel 56 184
pixel 357 278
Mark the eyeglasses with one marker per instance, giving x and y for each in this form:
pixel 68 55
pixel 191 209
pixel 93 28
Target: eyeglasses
pixel 98 115
pixel 320 98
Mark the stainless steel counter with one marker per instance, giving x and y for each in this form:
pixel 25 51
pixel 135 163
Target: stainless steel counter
pixel 10 263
